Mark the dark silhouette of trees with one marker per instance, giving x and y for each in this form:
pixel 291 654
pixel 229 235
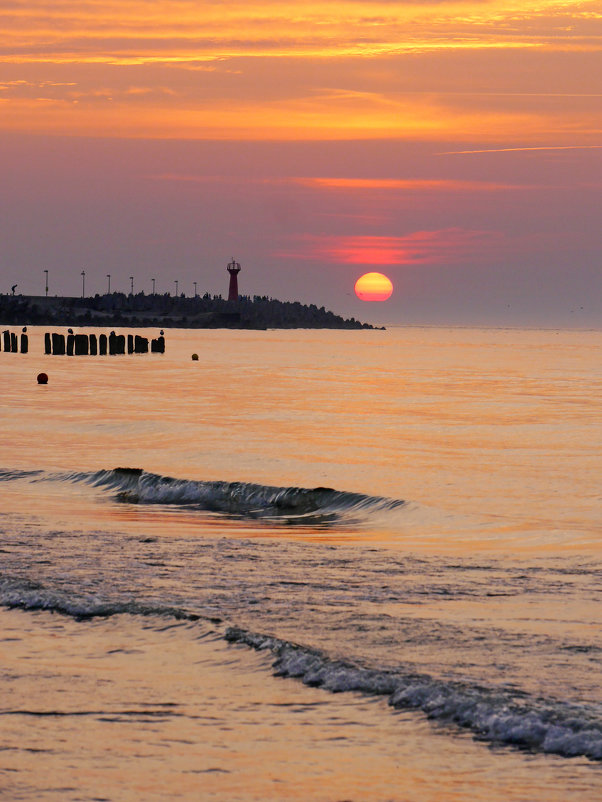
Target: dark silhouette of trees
pixel 206 311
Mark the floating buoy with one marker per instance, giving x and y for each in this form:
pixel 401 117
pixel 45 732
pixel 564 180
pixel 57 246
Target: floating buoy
pixel 42 378
pixel 195 357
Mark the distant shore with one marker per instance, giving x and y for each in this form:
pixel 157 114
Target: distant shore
pixel 169 311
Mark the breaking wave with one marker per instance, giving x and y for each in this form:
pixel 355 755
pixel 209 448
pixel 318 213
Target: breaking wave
pixel 508 718
pixel 498 717
pixel 244 499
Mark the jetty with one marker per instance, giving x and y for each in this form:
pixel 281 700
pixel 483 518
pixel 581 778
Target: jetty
pixel 120 310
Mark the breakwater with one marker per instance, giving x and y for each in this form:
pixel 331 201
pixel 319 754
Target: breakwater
pixel 117 310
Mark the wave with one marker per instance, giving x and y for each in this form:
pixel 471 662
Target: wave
pixel 32 596
pixel 495 716
pixel 11 476
pixel 241 499
pixel 508 718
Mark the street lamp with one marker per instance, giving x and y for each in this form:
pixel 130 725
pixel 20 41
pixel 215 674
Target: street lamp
pixel 45 271
pixel 109 287
pixel 194 282
pixel 83 283
pixel 153 280
pixel 132 284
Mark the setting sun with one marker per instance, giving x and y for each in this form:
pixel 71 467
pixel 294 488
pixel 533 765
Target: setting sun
pixel 373 287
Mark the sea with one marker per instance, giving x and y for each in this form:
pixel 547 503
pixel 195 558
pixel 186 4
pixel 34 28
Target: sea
pixel 344 566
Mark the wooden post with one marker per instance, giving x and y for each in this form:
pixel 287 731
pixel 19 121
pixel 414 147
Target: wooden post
pixel 14 343
pixel 93 345
pixel 102 344
pixel 58 344
pixel 47 343
pixel 6 340
pixel 81 345
pixel 140 345
pixel 130 343
pixel 24 340
pixel 70 343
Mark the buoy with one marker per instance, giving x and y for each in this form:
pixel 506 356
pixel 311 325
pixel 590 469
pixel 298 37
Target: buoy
pixel 195 357
pixel 42 378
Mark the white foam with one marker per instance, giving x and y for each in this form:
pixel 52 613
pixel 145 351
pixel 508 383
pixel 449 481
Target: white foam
pixel 492 715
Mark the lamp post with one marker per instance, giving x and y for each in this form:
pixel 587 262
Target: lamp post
pixel 132 284
pixel 109 287
pixel 194 282
pixel 153 280
pixel 45 271
pixel 176 283
pixel 83 283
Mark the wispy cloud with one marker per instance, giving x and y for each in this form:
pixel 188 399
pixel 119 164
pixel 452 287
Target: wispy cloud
pixel 444 246
pixel 350 184
pixel 405 184
pixel 348 69
pixel 520 149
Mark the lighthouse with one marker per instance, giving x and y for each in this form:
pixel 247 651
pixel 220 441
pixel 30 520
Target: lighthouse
pixel 234 269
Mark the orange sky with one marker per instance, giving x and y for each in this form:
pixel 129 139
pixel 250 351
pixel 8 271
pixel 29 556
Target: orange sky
pixel 445 79
pixel 433 70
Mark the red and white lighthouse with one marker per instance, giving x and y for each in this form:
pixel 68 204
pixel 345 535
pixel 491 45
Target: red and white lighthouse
pixel 234 269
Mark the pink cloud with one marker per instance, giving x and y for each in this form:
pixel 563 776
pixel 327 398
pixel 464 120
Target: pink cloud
pixel 442 246
pixel 405 184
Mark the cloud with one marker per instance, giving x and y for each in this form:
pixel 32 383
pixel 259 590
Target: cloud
pixel 88 30
pixel 406 184
pixel 320 183
pixel 520 149
pixel 443 246
pixel 348 69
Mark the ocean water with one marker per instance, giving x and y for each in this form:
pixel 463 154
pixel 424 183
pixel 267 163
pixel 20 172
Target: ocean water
pixel 314 565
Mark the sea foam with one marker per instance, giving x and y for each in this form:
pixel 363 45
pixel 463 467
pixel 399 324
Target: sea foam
pixel 496 716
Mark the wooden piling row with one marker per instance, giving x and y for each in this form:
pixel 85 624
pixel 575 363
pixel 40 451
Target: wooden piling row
pixel 11 343
pixel 101 345
pixel 83 344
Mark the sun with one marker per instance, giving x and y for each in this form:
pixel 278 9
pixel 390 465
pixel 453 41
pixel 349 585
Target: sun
pixel 373 287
